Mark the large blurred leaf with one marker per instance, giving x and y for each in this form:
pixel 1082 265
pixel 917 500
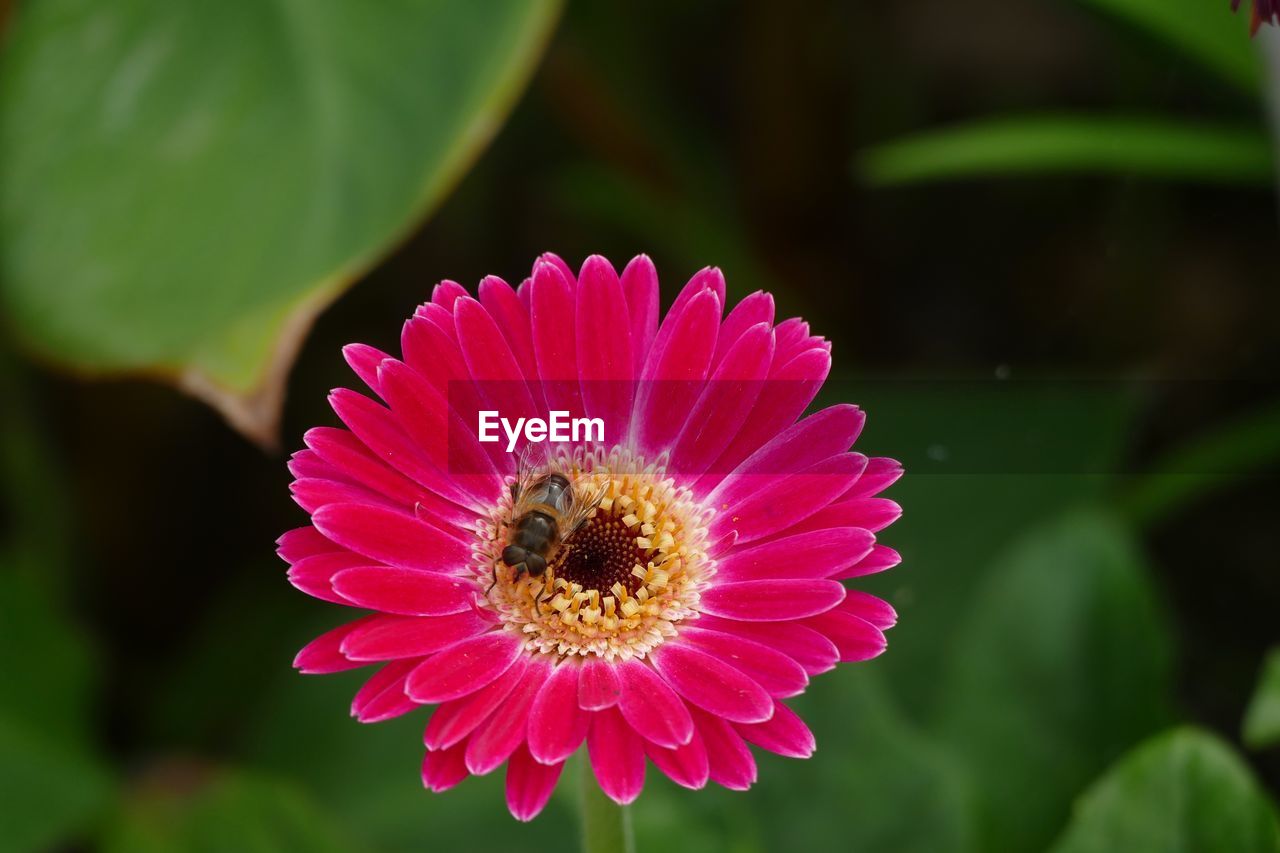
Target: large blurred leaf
pixel 1053 144
pixel 1184 790
pixel 183 186
pixel 50 781
pixel 1262 719
pixel 1063 662
pixel 183 809
pixel 1205 30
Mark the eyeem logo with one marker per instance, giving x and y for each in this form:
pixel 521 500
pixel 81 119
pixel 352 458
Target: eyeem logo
pixel 560 427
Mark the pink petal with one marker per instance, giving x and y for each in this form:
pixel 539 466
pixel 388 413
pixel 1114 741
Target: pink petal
pixel 784 733
pixel 872 514
pixel 314 575
pixel 880 558
pixel 382 697
pixel 388 637
pixel 772 600
pixel 529 784
pixel 822 435
pixel 640 286
pixel 312 494
pixel 707 279
pixel 773 670
pixel 493 365
pixel 881 473
pixel 755 308
pixel 606 364
pixel 557 725
pixel 364 360
pixel 651 707
pixel 729 759
pixel 856 638
pixel 561 266
pixel 789 500
pixel 504 731
pixel 598 685
pixel 348 454
pixel 306 465
pixel 453 721
pixel 725 401
pixel 391 537
pixel 869 608
pixel 788 391
pixel 405 591
pixel 303 542
pixel 463 668
pixel 512 318
pixel 818 554
pixel 712 684
pixel 804 645
pixel 674 374
pixel 446 293
pixel 324 653
pixel 552 311
pixel 685 765
pixel 452 445
pixel 617 756
pixel 443 769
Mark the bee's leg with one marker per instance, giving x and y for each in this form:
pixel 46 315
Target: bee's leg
pixel 495 579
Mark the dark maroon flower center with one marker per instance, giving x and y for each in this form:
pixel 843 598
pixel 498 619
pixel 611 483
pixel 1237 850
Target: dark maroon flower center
pixel 603 552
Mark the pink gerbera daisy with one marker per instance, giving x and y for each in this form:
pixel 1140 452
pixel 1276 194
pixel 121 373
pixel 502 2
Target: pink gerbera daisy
pixel 703 586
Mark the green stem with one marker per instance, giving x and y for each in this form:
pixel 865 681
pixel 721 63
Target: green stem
pixel 606 826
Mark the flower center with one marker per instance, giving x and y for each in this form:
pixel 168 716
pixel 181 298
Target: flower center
pixel 618 585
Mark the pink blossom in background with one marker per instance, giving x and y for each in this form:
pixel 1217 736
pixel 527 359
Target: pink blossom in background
pixel 706 589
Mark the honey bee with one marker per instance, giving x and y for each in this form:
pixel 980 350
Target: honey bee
pixel 546 510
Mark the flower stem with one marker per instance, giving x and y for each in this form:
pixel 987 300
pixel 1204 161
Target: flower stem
pixel 606 826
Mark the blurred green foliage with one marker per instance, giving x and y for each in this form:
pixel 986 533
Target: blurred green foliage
pixel 1262 720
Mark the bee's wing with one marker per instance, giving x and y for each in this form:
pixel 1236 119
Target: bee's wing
pixel 525 477
pixel 584 503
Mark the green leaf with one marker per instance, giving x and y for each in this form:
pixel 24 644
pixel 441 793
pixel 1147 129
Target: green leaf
pixel 1183 790
pixel 184 186
pixel 184 809
pixel 51 782
pixel 1205 31
pixel 1262 719
pixel 1062 663
pixel 1061 144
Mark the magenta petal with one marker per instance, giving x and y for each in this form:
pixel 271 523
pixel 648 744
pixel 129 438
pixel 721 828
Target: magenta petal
pixel 881 473
pixel 651 707
pixel 382 697
pixel 364 360
pixel 352 458
pixel 725 401
pixel 512 317
pixel 712 684
pixel 880 558
pixel 605 362
pixel 598 685
pixel 707 279
pixel 773 670
pixel 453 721
pixel 640 287
pixel 875 514
pixel 445 768
pixel 685 765
pixel 391 537
pixel 303 542
pixel 784 733
pixel 787 501
pixel 617 756
pixel 772 600
pixel 857 639
pixel 731 764
pixel 529 784
pixel 446 293
pixel 405 591
pixel 311 494
pixel 805 646
pixel 674 373
pixel 755 308
pixel 818 554
pixel 552 312
pixel 324 653
pixel 869 608
pixel 560 265
pixel 503 732
pixel 314 575
pixel 463 668
pixel 557 725
pixel 492 363
pixel 388 637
